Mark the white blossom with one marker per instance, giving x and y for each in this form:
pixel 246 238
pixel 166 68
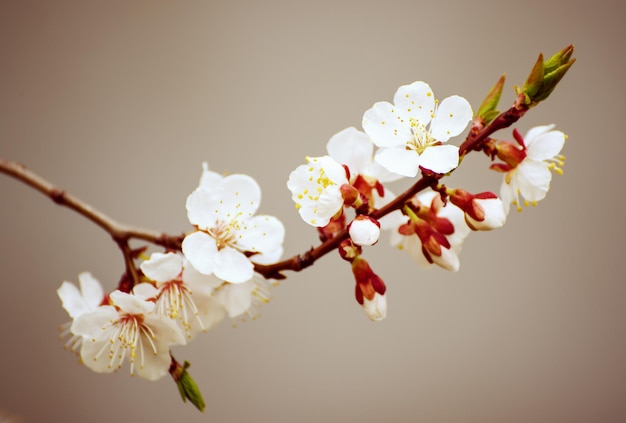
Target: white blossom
pixel 229 237
pixel 127 329
pixel 411 131
pixel 316 189
pixel 529 173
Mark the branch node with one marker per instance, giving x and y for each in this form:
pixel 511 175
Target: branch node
pixel 57 195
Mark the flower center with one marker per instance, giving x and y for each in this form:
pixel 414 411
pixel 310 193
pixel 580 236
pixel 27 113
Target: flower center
pixel 225 233
pixel 175 302
pixel 126 336
pixel 421 137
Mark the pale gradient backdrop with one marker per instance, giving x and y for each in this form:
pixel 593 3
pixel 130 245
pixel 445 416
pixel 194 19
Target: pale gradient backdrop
pixel 119 102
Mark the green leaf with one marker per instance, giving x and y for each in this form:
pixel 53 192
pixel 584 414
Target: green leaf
pixel 487 110
pixel 545 76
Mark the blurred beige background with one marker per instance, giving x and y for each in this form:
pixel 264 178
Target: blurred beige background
pixel 119 102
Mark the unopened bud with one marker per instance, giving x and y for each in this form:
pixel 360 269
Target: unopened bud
pixel 369 290
pixel 364 230
pixel 350 195
pixel 483 211
pixel 545 76
pixel 488 109
pixel 348 250
pixel 187 387
pixel 489 211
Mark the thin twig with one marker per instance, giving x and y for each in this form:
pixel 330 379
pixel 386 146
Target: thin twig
pixel 118 231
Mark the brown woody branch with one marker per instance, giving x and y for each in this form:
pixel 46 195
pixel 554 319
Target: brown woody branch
pixel 122 233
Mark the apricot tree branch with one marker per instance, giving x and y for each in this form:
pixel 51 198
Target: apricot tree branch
pixel 118 231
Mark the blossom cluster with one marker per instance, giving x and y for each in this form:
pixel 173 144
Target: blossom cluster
pixel 181 293
pixel 176 294
pixel 412 137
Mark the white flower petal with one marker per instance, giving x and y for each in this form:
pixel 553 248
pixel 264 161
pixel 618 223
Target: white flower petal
pixel 376 309
pixel 413 247
pixel 353 148
pixel 399 160
pixel 332 169
pixel 265 236
pixel 533 179
pixel 447 260
pixel 204 284
pixel 72 300
pixel 130 303
pixel 494 215
pixel 381 174
pixel 210 312
pixel 237 195
pixel 199 248
pixel 453 115
pixel 440 158
pixel 507 195
pixel 89 355
pixel 386 125
pixel 145 291
pixel 152 365
pixel 416 101
pixel 209 179
pixel 546 145
pixel 232 266
pixel 162 267
pixel 236 298
pixel 90 289
pixel 201 208
pixel 166 331
pixel 89 325
pixel 535 132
